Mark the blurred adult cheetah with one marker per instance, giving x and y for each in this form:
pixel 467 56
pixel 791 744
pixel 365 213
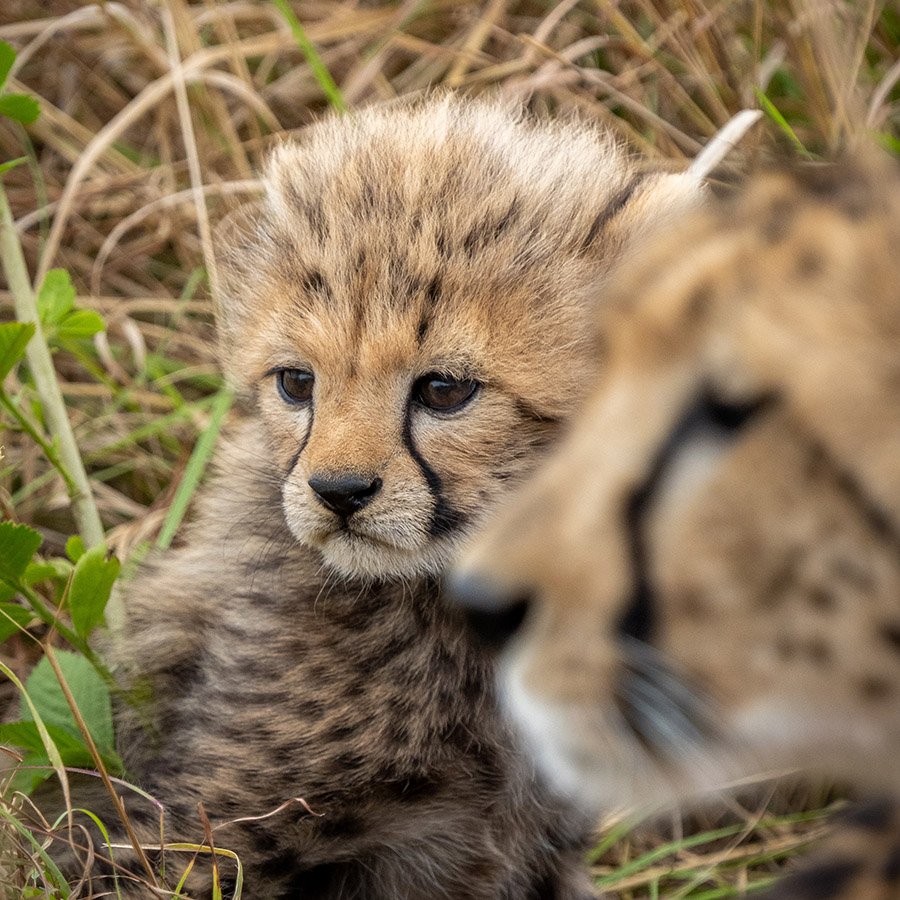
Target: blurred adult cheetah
pixel 703 583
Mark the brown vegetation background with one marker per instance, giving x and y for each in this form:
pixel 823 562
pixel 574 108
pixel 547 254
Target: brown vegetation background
pixel 155 116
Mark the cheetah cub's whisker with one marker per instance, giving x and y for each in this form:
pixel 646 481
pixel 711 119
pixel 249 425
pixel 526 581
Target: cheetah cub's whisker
pixel 703 583
pixel 405 313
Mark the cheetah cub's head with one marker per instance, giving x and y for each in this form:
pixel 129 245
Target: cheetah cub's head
pixel 408 307
pixel 703 583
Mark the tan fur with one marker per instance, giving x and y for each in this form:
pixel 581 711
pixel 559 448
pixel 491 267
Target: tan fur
pixel 722 603
pixel 290 654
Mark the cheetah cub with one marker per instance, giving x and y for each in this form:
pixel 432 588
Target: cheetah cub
pixel 704 582
pixel 406 315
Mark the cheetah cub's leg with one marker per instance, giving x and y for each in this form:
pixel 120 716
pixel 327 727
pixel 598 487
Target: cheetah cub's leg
pixel 860 861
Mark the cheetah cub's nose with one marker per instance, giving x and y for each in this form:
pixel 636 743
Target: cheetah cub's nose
pixel 344 494
pixel 493 614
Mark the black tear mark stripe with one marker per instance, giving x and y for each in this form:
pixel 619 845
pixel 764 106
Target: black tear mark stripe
pixel 618 202
pixel 304 441
pixel 640 616
pixel 877 518
pixel 444 518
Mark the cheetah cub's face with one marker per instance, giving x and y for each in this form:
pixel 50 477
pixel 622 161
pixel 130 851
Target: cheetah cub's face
pixel 704 582
pixel 408 306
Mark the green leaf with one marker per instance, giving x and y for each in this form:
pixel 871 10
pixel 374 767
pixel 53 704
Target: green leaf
pixel 11 617
pixel 56 297
pixel 18 543
pixel 91 587
pixel 19 107
pixel 81 323
pixel 72 748
pixel 75 548
pixel 89 690
pixel 46 569
pixel 14 337
pixel 7 58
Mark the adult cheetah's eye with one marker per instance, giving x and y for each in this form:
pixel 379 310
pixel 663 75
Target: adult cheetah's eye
pixel 442 393
pixel 295 385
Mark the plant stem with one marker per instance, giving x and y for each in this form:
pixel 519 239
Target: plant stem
pixel 39 439
pixel 41 365
pixel 98 762
pixel 49 617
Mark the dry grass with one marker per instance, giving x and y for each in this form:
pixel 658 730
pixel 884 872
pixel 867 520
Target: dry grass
pixel 155 116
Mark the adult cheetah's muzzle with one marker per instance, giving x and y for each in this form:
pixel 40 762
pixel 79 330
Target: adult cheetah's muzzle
pixel 492 613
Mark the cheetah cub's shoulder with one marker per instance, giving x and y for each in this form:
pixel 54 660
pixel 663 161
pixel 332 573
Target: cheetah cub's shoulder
pixel 704 582
pixel 406 312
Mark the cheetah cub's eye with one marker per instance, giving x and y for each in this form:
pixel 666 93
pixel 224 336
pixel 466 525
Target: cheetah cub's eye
pixel 442 393
pixel 295 385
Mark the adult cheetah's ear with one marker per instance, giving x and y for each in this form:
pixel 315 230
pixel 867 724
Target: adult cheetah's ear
pixel 242 261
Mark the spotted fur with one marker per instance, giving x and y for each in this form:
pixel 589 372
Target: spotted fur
pixel 292 652
pixel 703 584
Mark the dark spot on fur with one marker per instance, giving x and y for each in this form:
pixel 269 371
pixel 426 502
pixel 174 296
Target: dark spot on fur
pixel 350 761
pixel 699 302
pixel 822 598
pixel 890 633
pixel 507 219
pixel 345 825
pixel 367 197
pixel 398 733
pixel 875 688
pixel 777 223
pixel 442 242
pixel 476 238
pixel 890 872
pixel 818 652
pixel 846 190
pixel 853 573
pixel 610 211
pixel 340 732
pixel 416 788
pixel 315 215
pixel 433 291
pixel 809 264
pixel 694 605
pixel 280 865
pixel 314 283
pixel 785 648
pixel 398 644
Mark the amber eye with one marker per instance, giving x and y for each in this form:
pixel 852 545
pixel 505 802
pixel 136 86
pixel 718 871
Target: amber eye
pixel 295 385
pixel 442 393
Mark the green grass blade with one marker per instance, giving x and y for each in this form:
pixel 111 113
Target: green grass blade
pixel 772 111
pixel 308 49
pixel 195 468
